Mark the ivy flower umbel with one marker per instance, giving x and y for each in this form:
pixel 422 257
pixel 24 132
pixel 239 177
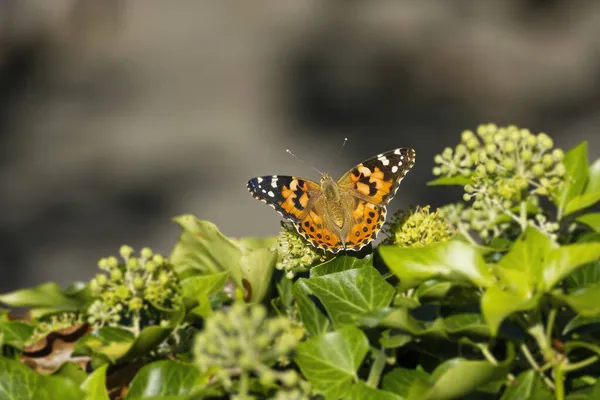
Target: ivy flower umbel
pixel 243 341
pixel 137 287
pixel 418 228
pixel 296 255
pixel 53 324
pixel 510 170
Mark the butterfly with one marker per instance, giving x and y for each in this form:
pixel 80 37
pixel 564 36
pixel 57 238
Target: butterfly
pixel 346 214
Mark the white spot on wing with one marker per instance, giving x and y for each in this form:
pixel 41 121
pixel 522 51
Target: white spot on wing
pixel 394 169
pixel 384 160
pixel 274 181
pixel 397 151
pixel 259 179
pixel 270 193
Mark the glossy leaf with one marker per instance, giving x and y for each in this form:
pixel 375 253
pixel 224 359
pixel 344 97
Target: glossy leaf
pixel 47 295
pixel 330 361
pixel 165 378
pixel 584 300
pixel 400 380
pixel 591 219
pixel 95 384
pixel 591 193
pixel 16 333
pixel 361 391
pixel 339 264
pixel 528 386
pixel 201 246
pixel 257 267
pixel 577 172
pixel 566 259
pixel 496 305
pixel 350 293
pixel 200 287
pixel 19 382
pixel 313 319
pixel 453 260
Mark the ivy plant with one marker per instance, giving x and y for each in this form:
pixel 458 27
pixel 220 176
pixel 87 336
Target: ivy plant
pixel 495 296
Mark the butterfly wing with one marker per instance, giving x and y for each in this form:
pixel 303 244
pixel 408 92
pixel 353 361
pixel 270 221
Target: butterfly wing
pixel 298 200
pixel 377 179
pixel 373 184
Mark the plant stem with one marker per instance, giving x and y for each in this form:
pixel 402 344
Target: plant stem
pixel 550 324
pixel 523 216
pixel 376 369
pixel 244 386
pixel 559 380
pixel 581 364
pixel 535 365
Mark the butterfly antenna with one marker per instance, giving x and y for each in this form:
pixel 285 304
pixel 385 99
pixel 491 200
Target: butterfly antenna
pixel 341 148
pixel 302 161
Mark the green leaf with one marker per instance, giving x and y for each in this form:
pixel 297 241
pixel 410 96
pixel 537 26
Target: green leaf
pixel 458 377
pixel 202 247
pixel 200 287
pixel 361 391
pixel 583 300
pixel 330 361
pixel 591 193
pixel 528 386
pixel 339 264
pixel 95 384
pixel 579 321
pixel 591 219
pixel 313 319
pixel 453 260
pixel 109 342
pixel 496 305
pixel 350 293
pixel 451 181
pixel 46 295
pixel 165 378
pixel 16 333
pixel 577 172
pixel 400 380
pixel 257 267
pixel 566 259
pixel 19 382
pixel 71 371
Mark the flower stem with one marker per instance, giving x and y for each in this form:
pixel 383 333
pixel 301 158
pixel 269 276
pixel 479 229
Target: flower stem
pixel 244 386
pixel 559 380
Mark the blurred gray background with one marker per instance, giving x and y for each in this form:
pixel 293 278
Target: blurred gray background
pixel 117 115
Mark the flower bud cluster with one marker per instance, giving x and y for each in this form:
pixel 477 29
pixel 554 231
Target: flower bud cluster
pixel 418 228
pixel 243 340
pixel 135 285
pixel 296 255
pixel 510 170
pixel 54 323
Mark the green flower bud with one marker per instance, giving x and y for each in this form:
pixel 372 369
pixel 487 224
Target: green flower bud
pixel 146 253
pixel 509 147
pixel 112 262
pixel 508 163
pixel 437 171
pixel 101 279
pixel 544 141
pixel 138 282
pixel 538 170
pixel 103 264
pixel 514 136
pixel 558 155
pixel 466 136
pixel 163 278
pixel 126 251
pixel 116 274
pixel 531 140
pixel 472 143
pixel 480 171
pixel 560 169
pixel 526 155
pixel 158 259
pixel 133 263
pixel 447 153
pixel 466 197
pixel 548 160
pixel 490 148
pixel 267 378
pixel 469 189
pixel 438 159
pixel 135 304
pixel 490 166
pixel 461 149
pixel 289 275
pixel 150 266
pixel 289 378
pixel 477 204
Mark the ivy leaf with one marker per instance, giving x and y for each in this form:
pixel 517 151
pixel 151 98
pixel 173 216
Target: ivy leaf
pixel 95 384
pixel 110 343
pixel 458 377
pixel 339 264
pixel 400 380
pixel 201 246
pixel 577 172
pixel 591 193
pixel 257 267
pixel 16 333
pixel 361 391
pixel 313 319
pixel 591 219
pixel 566 259
pixel 200 287
pixel 350 293
pixel 453 260
pixel 497 304
pixel 19 382
pixel 330 361
pixel 165 378
pixel 583 300
pixel 529 386
pixel 47 295
pixel 451 181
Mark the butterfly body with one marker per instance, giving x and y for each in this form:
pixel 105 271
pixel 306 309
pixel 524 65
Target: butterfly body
pixel 343 214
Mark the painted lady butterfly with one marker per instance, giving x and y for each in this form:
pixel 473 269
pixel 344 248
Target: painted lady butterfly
pixel 343 214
